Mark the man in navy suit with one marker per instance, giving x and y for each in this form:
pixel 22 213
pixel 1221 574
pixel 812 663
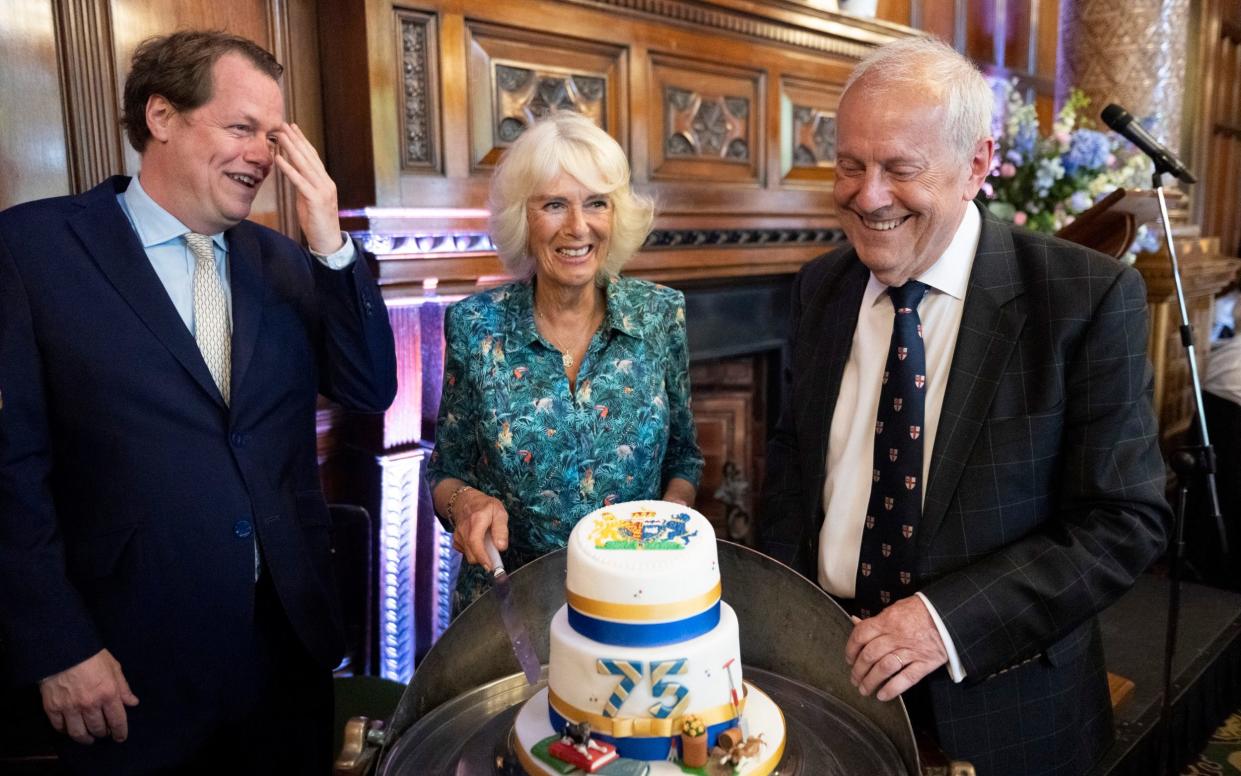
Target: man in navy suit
pixel 165 569
pixel 967 454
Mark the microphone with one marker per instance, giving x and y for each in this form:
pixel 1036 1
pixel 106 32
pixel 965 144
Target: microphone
pixel 1119 120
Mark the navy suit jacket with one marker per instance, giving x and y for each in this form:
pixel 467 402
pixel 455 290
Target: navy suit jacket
pixel 130 493
pixel 1045 495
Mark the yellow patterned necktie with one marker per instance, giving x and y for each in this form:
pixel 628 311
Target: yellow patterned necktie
pixel 212 327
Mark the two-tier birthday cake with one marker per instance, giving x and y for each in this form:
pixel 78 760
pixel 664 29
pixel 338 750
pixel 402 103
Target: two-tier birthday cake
pixel 647 654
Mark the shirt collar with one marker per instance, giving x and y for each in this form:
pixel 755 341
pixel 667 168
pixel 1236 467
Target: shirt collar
pixel 519 316
pixel 154 224
pixel 950 274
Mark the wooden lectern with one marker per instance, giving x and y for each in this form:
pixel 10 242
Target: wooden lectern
pixel 1112 224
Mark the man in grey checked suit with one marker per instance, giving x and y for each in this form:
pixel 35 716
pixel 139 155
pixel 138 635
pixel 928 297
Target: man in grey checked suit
pixel 1044 486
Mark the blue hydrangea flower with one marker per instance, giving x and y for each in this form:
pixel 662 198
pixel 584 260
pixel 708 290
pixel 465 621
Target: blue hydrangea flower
pixel 1088 150
pixel 1046 174
pixel 1027 136
pixel 1079 202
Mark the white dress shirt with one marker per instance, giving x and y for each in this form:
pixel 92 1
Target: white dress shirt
pixel 851 445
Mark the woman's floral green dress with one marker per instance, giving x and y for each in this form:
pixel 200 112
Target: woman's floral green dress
pixel 509 426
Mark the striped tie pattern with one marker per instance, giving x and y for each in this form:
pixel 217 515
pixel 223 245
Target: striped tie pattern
pixel 212 327
pixel 885 562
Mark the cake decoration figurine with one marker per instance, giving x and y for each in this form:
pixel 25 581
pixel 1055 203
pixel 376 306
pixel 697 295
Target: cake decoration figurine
pixel 577 748
pixel 693 741
pixel 738 758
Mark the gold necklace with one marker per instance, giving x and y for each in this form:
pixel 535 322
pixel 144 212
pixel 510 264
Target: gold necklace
pixel 566 355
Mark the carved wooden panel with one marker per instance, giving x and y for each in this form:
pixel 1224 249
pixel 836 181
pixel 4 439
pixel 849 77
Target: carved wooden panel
pixel 708 123
pixel 518 76
pixel 808 130
pixel 728 400
pixel 419 92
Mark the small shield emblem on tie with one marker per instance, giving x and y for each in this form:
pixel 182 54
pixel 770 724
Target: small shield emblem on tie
pixel 885 596
pixel 886 549
pixel 866 569
pixel 905 578
pixel 874 475
pixel 907 531
pixel 915 431
pixel 892 453
pixel 919 331
pixel 910 482
pixel 904 310
pixel 885 378
pixel 870 521
pixel 878 426
pixel 863 611
pixel 919 380
pixel 901 352
pixel 897 403
pixel 888 503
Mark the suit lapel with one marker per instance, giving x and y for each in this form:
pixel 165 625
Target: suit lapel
pixel 990 325
pixel 829 320
pixel 108 238
pixel 246 280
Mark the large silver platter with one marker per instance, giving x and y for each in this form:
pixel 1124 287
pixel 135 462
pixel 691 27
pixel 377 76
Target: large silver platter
pixel 456 714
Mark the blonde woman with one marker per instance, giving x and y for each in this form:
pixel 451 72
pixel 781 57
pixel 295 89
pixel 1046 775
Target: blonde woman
pixel 567 389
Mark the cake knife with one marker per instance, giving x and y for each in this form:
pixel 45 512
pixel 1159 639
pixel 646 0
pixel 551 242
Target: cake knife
pixel 517 634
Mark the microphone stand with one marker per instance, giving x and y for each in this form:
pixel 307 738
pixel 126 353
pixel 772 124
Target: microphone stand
pixel 1191 463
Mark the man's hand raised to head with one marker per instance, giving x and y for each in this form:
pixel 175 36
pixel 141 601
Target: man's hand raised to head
pixel 88 700
pixel 894 650
pixel 316 191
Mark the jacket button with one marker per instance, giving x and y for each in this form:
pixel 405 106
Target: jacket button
pixel 242 529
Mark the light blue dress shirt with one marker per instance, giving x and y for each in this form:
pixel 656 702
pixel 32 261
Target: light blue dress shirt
pixel 163 238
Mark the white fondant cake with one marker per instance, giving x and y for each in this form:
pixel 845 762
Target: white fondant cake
pixel 644 640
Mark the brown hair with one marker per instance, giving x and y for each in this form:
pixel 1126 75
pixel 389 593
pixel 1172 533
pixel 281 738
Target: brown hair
pixel 178 68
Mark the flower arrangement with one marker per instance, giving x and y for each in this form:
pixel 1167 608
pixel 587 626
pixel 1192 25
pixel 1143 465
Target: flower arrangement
pixel 1043 183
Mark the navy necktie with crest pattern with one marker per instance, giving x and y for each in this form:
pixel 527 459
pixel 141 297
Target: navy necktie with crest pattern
pixel 885 562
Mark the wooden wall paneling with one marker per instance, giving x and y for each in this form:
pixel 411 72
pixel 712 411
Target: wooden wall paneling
pixel 133 21
pixel 895 11
pixel 295 32
pixel 710 122
pixel 418 47
pixel 93 106
pixel 518 76
pixel 808 130
pixel 34 149
pixel 945 19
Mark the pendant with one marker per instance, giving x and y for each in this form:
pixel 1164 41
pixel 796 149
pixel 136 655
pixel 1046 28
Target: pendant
pixel 567 360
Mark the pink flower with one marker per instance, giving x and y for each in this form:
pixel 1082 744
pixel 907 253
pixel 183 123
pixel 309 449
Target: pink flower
pixel 1007 170
pixel 1020 218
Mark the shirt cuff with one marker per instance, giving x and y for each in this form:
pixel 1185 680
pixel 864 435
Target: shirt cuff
pixel 340 259
pixel 955 670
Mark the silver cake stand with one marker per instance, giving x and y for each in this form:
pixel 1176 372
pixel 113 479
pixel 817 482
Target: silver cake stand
pixel 456 716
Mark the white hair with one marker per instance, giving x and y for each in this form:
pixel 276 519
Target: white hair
pixel 565 142
pixel 944 75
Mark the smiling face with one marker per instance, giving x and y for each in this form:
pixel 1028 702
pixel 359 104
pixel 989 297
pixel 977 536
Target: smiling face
pixel 569 227
pixel 205 166
pixel 901 188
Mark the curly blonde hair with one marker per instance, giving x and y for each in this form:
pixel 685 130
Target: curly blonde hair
pixel 565 142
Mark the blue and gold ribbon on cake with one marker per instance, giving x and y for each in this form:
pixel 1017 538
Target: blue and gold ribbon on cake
pixel 644 625
pixel 642 738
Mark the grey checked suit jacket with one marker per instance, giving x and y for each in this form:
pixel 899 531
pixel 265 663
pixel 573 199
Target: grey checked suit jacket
pixel 1045 496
